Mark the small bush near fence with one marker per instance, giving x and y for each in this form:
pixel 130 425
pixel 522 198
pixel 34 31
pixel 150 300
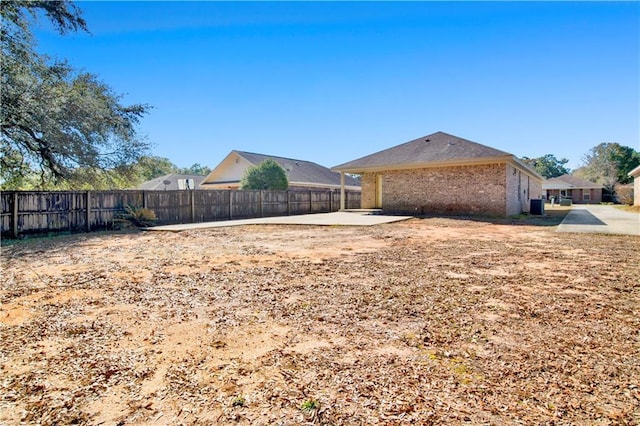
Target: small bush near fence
pixel 136 216
pixel 39 212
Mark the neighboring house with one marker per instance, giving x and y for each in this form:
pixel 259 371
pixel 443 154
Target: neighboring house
pixel 301 174
pixel 173 182
pixel 580 191
pixel 635 174
pixel 442 173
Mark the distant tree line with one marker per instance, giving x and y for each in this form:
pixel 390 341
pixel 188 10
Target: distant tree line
pixel 607 164
pixel 548 166
pixel 89 178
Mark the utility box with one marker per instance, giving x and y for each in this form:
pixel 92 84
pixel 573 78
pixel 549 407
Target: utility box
pixel 537 207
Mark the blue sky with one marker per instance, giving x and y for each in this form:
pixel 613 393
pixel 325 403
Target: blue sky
pixel 333 81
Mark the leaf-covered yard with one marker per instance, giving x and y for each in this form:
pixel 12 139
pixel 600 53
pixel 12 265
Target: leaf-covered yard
pixel 424 321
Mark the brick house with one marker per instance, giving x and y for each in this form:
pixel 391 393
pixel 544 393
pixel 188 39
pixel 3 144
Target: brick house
pixel 442 173
pixel 578 190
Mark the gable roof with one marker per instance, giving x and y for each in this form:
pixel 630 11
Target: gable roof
pixel 157 184
pixel 568 181
pixel 299 172
pixel 436 149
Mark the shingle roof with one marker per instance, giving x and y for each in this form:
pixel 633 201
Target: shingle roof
pixel 572 181
pixel 438 147
pixel 156 184
pixel 300 171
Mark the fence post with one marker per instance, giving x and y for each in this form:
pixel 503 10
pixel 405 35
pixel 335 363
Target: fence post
pixel 343 194
pixel 88 211
pixel 310 202
pixel 144 199
pixel 260 201
pixel 14 216
pixel 192 197
pixel 288 204
pixel 230 204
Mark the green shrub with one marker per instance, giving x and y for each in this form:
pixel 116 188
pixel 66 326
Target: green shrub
pixel 140 217
pixel 310 405
pixel 239 401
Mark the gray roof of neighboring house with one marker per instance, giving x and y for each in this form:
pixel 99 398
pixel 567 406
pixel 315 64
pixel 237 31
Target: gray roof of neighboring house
pixel 572 181
pixel 300 171
pixel 438 147
pixel 158 184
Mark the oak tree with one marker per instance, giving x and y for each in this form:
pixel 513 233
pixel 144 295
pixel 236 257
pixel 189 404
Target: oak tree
pixel 548 166
pixel 53 118
pixel 609 164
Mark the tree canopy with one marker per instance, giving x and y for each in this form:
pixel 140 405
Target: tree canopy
pixel 609 164
pixel 89 178
pixel 195 169
pixel 266 175
pixel 54 119
pixel 548 165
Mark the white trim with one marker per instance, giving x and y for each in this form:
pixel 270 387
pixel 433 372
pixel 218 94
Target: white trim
pixel 635 173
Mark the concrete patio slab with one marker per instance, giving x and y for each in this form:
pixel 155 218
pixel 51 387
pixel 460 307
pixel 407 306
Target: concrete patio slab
pixel 326 219
pixel 604 219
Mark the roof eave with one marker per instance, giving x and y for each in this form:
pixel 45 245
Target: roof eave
pixel 434 164
pixel 524 167
pixel 557 185
pixel 422 165
pixel 635 172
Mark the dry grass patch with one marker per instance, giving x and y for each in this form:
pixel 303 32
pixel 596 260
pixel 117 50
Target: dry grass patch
pixel 428 320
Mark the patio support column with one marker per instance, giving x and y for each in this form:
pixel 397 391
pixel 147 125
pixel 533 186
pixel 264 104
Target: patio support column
pixel 342 194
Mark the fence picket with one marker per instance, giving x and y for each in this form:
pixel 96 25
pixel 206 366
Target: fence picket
pixel 38 212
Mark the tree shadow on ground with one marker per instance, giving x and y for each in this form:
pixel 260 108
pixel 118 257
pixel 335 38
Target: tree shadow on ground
pixel 41 241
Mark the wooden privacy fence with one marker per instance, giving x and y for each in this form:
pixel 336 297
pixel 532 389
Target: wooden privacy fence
pixel 38 212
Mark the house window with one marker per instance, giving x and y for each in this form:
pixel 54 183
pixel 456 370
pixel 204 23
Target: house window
pixel 586 195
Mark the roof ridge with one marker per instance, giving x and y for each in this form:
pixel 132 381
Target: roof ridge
pixel 273 156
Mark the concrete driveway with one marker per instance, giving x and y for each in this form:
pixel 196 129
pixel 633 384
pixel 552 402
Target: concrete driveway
pixel 600 219
pixel 354 218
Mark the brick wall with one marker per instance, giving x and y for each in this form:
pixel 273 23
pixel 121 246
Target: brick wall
pixel 536 189
pixel 521 188
pixel 494 189
pixel 457 190
pixel 595 196
pixel 368 195
pixel 577 195
pixel 518 188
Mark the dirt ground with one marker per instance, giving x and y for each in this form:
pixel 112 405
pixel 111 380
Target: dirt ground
pixel 434 320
